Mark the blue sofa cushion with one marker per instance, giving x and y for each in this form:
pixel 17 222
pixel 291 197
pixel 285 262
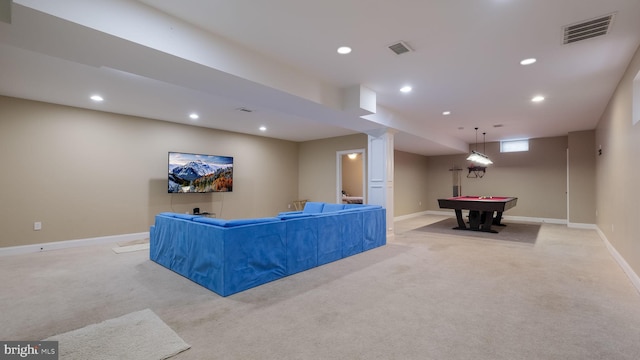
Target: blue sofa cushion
pixel 361 206
pixel 358 207
pixel 235 222
pixel 211 221
pixel 184 216
pixel 332 207
pixel 296 215
pixel 353 206
pixel 240 222
pixel 313 207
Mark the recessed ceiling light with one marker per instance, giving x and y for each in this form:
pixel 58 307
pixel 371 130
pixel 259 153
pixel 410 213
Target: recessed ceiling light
pixel 263 128
pixel 96 98
pixel 537 98
pixel 446 113
pixel 194 116
pixel 406 89
pixel 344 50
pixel 528 61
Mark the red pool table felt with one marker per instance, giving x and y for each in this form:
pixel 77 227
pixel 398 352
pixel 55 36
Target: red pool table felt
pixel 481 203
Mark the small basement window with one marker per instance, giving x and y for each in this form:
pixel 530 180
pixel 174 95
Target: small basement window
pixel 514 145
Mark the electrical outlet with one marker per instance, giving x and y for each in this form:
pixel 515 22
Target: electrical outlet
pixel 289 206
pixel 37 226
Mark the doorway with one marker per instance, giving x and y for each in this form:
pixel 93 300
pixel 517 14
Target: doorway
pixel 351 177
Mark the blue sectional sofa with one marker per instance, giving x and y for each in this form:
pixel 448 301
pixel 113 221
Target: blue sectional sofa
pixel 229 256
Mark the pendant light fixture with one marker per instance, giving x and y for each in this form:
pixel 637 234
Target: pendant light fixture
pixel 478 159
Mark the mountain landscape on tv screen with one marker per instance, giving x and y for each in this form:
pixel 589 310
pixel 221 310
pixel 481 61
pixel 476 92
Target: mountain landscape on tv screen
pixel 198 176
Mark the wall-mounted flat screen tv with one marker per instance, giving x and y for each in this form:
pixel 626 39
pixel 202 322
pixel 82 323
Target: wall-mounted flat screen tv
pixel 198 173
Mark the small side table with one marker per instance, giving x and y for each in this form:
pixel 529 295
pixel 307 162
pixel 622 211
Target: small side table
pixel 298 205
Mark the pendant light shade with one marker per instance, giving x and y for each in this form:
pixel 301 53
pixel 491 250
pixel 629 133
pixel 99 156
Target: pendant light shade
pixel 479 161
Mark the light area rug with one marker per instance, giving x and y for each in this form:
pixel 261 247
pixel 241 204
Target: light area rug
pixel 130 248
pixel 140 335
pixel 133 242
pixel 512 231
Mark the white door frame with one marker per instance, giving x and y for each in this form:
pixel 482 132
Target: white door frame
pixel 339 155
pixel 568 189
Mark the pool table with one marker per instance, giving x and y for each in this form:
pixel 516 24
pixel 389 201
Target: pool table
pixel 481 209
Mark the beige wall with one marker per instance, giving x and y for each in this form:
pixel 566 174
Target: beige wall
pixel 317 164
pixel 538 178
pixel 87 174
pixel 618 173
pixel 410 183
pixel 582 177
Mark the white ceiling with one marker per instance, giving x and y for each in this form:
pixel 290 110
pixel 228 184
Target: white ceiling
pixel 163 59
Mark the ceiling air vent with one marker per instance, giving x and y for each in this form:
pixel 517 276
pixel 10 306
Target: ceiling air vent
pixel 400 48
pixel 587 29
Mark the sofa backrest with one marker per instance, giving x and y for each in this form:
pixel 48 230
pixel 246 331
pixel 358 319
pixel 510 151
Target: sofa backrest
pixel 312 207
pixel 220 222
pixel 235 222
pixel 179 216
pixel 361 207
pixel 332 207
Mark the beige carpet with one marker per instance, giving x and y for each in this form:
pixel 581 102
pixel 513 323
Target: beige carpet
pixel 512 231
pixel 136 336
pixel 423 296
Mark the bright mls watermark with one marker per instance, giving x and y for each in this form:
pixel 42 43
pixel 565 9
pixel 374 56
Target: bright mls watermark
pixel 40 350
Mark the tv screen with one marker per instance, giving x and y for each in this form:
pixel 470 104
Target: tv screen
pixel 198 173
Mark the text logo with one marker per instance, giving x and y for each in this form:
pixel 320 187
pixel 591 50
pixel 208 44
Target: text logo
pixel 32 350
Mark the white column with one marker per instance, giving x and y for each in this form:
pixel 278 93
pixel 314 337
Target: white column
pixel 380 172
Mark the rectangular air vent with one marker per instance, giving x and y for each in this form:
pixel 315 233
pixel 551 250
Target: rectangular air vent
pixel 400 48
pixel 587 29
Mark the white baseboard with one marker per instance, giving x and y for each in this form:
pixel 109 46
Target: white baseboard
pixel 582 226
pixel 25 249
pixel 535 219
pixel 633 277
